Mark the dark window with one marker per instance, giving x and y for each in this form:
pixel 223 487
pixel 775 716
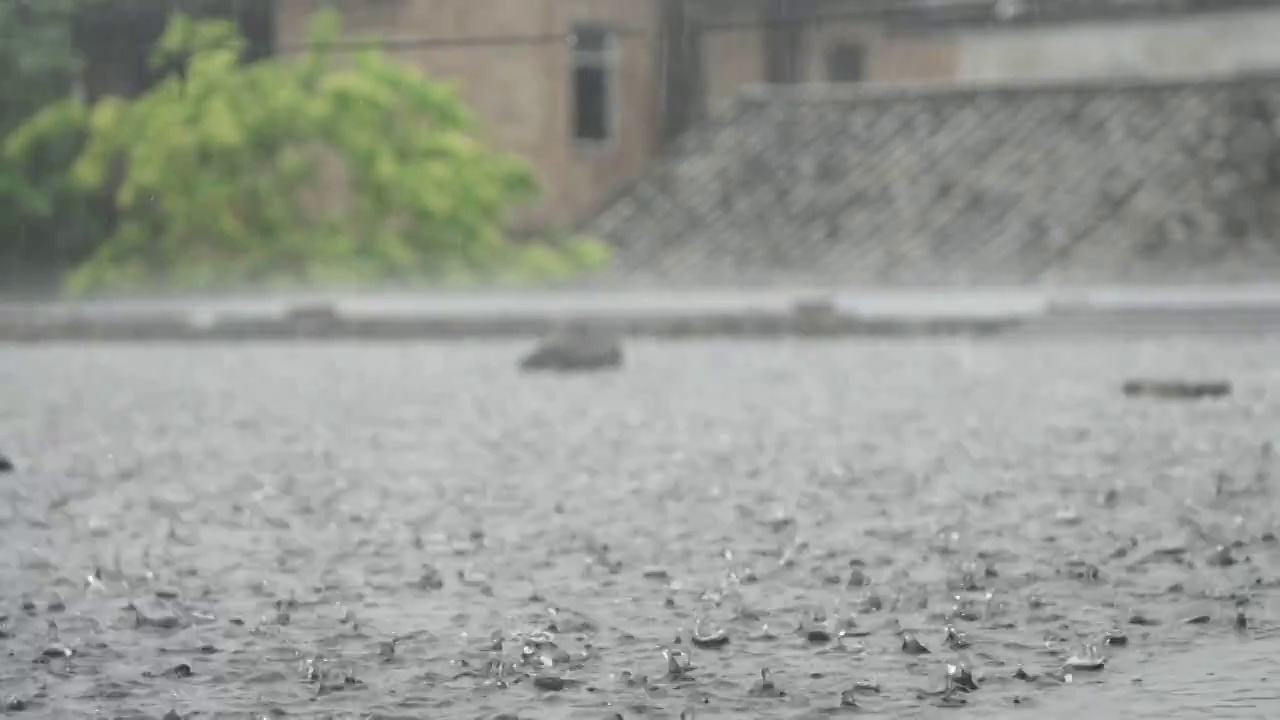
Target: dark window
pixel 787 24
pixel 845 62
pixel 784 56
pixel 593 49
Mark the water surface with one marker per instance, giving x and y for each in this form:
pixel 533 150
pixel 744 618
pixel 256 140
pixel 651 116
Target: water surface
pixel 279 513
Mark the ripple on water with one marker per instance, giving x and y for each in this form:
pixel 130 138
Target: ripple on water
pixel 334 529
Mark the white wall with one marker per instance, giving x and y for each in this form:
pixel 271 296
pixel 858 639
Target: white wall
pixel 1197 45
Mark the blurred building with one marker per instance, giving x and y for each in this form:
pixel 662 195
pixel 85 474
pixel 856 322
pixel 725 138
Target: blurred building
pixel 591 90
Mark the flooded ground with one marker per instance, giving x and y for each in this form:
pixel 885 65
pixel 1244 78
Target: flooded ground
pixel 380 531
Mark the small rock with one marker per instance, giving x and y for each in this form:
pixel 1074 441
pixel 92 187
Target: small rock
pixel 551 683
pixel 172 715
pixel 14 703
pixel 1177 389
pixel 6 466
pixel 577 349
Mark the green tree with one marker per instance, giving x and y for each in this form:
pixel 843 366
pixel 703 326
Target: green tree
pixel 299 170
pixel 45 223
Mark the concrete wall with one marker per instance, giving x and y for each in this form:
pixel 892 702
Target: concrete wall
pixel 522 90
pixel 1095 182
pixel 1197 45
pixel 734 57
pixel 1173 47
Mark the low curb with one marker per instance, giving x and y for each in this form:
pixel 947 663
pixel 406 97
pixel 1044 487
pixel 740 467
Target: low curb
pixel 806 319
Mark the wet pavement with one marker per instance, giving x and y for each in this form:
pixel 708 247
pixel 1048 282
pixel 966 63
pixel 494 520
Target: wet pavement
pixel 331 530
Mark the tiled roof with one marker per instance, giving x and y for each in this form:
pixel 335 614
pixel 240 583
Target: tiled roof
pixel 1096 183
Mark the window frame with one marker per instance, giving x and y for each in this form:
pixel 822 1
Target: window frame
pixel 608 59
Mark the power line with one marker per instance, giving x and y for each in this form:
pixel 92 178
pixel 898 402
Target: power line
pixel 400 44
pixel 416 43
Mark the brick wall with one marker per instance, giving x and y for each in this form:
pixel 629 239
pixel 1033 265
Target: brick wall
pixel 521 89
pixel 1086 182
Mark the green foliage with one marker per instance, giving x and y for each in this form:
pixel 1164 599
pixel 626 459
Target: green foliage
pixel 45 223
pixel 38 61
pixel 551 262
pixel 299 171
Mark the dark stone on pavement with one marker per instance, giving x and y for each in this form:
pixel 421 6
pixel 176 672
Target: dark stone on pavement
pixel 1177 389
pixel 576 349
pixel 6 465
pixel 549 682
